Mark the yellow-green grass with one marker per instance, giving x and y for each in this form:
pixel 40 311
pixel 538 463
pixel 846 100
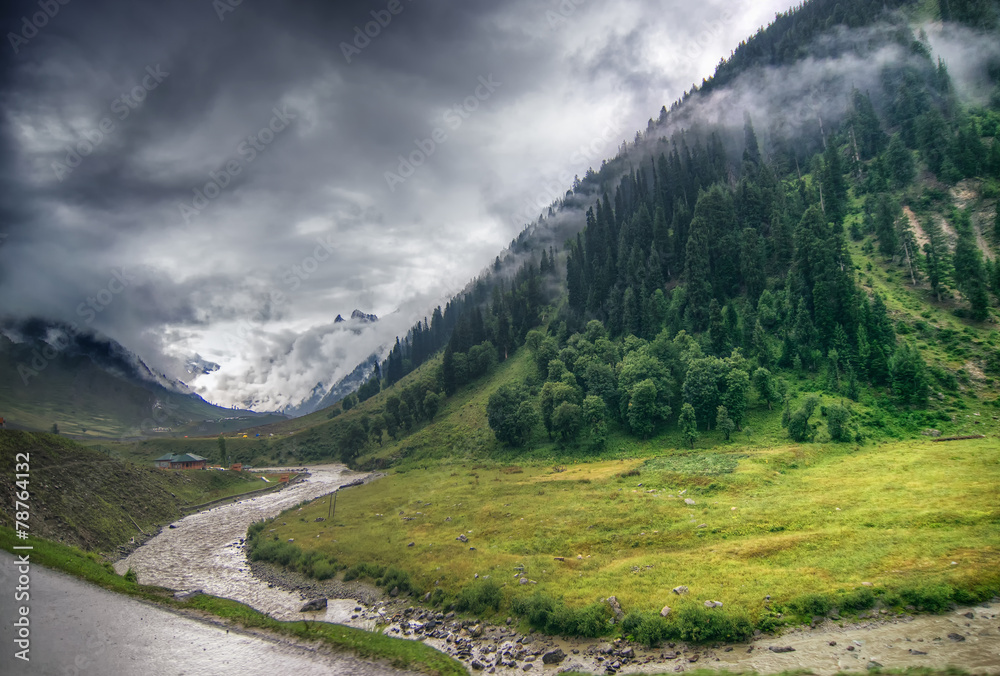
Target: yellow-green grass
pixel 400 653
pixel 807 519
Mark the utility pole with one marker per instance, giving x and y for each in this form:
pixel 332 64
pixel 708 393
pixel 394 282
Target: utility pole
pixel 333 506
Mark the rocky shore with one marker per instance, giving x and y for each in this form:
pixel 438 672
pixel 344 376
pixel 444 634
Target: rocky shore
pixel 827 646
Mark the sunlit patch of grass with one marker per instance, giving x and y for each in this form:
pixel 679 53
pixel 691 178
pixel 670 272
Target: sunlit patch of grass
pixel 807 519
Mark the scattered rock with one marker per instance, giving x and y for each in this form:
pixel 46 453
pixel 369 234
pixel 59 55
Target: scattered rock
pixel 320 518
pixel 553 656
pixel 184 596
pixel 171 526
pixel 970 615
pixel 703 525
pixel 689 501
pixel 957 638
pixel 665 611
pixel 523 580
pixel 411 544
pixel 559 558
pixel 867 584
pixel 313 606
pixel 931 433
pixel 395 592
pixel 476 631
pixel 713 604
pixel 850 649
pixel 680 590
pixel 781 649
pixel 917 652
pixel 833 643
pixel 872 664
pixel 462 538
pixel 616 608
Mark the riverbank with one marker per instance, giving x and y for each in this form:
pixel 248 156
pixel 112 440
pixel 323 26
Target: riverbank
pixel 89 567
pixel 965 637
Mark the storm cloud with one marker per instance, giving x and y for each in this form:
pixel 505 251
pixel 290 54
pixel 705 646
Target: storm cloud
pixel 223 178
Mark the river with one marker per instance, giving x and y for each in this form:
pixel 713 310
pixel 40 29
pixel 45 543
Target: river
pixel 204 552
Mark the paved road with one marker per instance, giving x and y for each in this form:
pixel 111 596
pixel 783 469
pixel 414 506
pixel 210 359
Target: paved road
pixel 78 629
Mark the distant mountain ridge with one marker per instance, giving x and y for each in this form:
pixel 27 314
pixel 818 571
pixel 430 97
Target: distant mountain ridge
pixel 87 384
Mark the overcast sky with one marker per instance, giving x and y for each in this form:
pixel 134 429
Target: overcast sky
pixel 223 179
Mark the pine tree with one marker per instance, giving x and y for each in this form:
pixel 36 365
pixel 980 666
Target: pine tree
pixel 834 185
pixel 887 210
pixel 968 262
pixel 735 396
pixel 716 328
pixel 688 424
pixel 723 422
pixel 900 162
pixel 766 387
pixel 935 255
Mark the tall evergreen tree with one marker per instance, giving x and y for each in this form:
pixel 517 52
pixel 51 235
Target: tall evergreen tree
pixel 968 261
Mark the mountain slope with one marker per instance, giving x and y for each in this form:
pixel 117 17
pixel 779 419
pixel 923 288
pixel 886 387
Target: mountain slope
pixel 90 386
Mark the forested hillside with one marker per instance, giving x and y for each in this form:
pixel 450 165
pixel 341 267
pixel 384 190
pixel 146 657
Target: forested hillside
pixel 812 232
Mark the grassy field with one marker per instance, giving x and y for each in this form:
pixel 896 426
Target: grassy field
pixel 400 653
pixel 788 522
pixel 97 501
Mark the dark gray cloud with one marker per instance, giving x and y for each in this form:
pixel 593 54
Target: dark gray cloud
pixel 235 166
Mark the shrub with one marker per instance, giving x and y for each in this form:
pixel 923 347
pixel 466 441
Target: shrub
pixel 130 576
pixel 932 598
pixel 554 617
pixel 479 597
pixel 359 570
pixel 324 570
pixel 811 604
pixel 859 599
pixel 703 625
pixel 646 628
pixel 394 577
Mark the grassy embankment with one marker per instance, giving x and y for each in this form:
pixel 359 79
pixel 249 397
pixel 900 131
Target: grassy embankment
pixel 806 525
pixel 399 653
pixel 91 499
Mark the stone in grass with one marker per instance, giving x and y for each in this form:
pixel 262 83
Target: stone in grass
pixel 313 606
pixel 682 589
pixel 665 611
pixel 462 538
pixel 616 608
pixel 689 501
pixel 713 604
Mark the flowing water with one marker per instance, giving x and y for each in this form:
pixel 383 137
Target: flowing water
pixel 204 552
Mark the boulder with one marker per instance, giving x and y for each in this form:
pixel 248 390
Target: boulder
pixel 682 589
pixel 553 656
pixel 616 608
pixel 957 638
pixel 713 604
pixel 462 538
pixel 665 611
pixel 313 606
pixel 689 501
pixel 781 649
